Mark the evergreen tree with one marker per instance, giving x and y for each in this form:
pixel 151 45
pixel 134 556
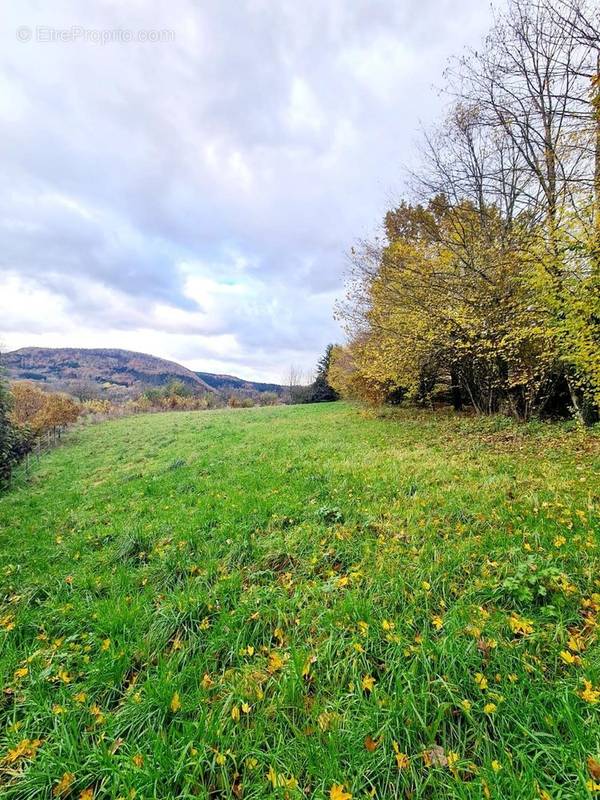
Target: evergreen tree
pixel 320 390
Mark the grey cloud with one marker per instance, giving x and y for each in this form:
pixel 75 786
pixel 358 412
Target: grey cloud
pixel 271 130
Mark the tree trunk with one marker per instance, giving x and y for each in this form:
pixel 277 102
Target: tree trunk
pixel 455 392
pixel 596 109
pixel 586 411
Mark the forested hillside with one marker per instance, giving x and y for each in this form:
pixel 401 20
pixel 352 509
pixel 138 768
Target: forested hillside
pixel 119 373
pixel 230 382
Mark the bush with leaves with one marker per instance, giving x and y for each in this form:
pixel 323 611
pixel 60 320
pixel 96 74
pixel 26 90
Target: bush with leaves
pixel 15 441
pixel 44 413
pixel 240 401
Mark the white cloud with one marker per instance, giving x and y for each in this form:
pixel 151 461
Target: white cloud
pixel 195 199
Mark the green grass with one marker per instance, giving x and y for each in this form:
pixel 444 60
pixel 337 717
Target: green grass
pixel 193 606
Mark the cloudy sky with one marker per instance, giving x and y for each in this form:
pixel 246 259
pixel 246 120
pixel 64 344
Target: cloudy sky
pixel 194 197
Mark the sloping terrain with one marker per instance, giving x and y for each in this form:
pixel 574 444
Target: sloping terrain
pixel 121 370
pixel 300 602
pixel 231 383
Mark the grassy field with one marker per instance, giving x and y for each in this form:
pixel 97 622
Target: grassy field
pixel 303 602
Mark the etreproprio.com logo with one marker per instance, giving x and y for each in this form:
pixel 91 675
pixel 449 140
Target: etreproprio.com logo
pixel 77 33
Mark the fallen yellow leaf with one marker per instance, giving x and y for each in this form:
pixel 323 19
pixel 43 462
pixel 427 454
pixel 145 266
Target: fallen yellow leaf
pixel 64 784
pixel 337 792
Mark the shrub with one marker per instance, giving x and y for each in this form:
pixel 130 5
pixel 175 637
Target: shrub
pixel 42 412
pixel 268 399
pixel 15 441
pixel 236 401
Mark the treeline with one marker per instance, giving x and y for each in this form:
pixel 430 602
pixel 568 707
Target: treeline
pixel 484 289
pixel 318 390
pixel 178 396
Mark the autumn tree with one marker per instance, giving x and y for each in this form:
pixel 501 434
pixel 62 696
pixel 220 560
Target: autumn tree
pixel 28 400
pixel 485 289
pixel 535 84
pixel 15 441
pixel 42 412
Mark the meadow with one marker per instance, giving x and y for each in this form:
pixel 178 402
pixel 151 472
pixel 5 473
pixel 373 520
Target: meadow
pixel 304 602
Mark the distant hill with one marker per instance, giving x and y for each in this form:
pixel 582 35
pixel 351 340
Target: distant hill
pixel 116 373
pixel 226 383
